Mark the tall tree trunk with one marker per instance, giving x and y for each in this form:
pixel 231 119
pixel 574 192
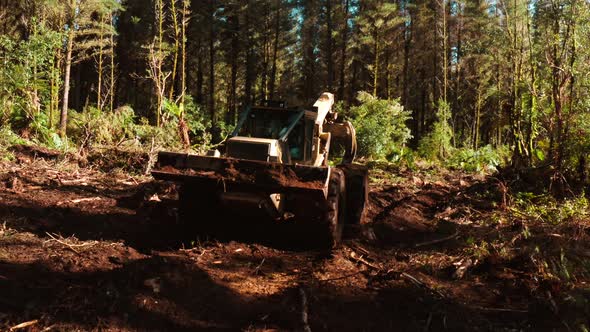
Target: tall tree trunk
pixel 160 72
pixel 376 64
pixel 200 79
pixel 329 46
pixel 273 71
pixel 265 55
pixel 308 45
pixel 182 125
pixel 234 52
pixel 444 51
pixel 212 62
pixel 405 70
pixel 63 121
pixel 388 84
pixel 176 27
pixel 185 21
pixel 100 66
pixel 112 85
pixel 249 61
pixel 343 51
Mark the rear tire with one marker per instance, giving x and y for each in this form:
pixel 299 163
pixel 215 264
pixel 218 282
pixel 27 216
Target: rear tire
pixel 334 216
pixel 357 192
pixel 196 211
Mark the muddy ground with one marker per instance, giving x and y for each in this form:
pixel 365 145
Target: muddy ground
pixel 94 248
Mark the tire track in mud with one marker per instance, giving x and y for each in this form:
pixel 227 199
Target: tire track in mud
pixel 399 215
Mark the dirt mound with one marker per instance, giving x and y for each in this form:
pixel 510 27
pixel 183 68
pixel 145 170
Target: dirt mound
pixel 234 171
pixel 113 159
pixel 31 152
pixel 402 214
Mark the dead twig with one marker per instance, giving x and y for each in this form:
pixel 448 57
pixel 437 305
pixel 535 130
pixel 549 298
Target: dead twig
pixel 341 277
pixel 428 322
pixel 521 311
pixel 446 238
pixel 257 269
pixel 417 282
pixel 361 249
pixel 24 325
pixel 361 259
pixel 413 279
pixel 80 200
pixel 69 245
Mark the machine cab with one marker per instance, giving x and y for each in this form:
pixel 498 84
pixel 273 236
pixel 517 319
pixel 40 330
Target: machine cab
pixel 272 132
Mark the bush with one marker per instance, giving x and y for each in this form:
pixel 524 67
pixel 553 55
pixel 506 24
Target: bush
pixel 549 210
pixel 94 127
pixel 485 158
pixel 437 144
pixel 380 125
pixel 7 139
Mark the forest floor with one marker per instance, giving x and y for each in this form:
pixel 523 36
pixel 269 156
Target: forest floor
pixel 94 248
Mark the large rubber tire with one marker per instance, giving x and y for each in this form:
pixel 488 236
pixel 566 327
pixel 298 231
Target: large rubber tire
pixel 357 192
pixel 197 211
pixel 334 215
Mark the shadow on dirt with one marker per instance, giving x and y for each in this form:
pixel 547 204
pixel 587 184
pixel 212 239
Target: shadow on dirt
pixel 144 216
pixel 172 294
pixel 157 293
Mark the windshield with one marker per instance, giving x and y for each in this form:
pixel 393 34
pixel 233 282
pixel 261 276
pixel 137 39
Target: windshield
pixel 265 123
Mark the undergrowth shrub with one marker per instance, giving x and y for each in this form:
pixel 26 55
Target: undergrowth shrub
pixel 547 209
pixel 195 118
pixel 437 144
pixel 486 158
pixel 44 134
pixel 7 139
pixel 577 147
pixel 93 127
pixel 380 125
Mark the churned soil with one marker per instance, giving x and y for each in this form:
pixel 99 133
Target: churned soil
pixel 229 171
pixel 83 248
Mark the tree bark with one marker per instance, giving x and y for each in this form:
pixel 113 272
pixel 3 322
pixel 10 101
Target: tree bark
pixel 273 71
pixel 63 121
pixel 212 61
pixel 249 61
pixel 235 44
pixel 174 13
pixel 343 52
pixel 329 46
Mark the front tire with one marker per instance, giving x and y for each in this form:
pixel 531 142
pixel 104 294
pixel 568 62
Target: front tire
pixel 334 215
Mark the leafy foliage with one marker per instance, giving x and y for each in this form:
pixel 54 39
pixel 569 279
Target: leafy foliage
pixel 486 158
pixel 380 125
pixel 93 127
pixel 25 74
pixel 437 144
pixel 547 209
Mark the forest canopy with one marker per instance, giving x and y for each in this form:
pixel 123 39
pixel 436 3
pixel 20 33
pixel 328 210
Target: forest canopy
pixel 463 76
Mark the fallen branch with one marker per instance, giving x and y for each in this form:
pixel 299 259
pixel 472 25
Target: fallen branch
pixel 257 269
pixel 413 279
pixel 304 314
pixel 462 266
pixel 361 259
pixel 427 243
pixel 416 281
pixel 24 325
pixel 80 200
pixel 341 277
pixel 69 245
pixel 520 311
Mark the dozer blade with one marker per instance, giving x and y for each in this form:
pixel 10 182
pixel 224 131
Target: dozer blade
pixel 243 175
